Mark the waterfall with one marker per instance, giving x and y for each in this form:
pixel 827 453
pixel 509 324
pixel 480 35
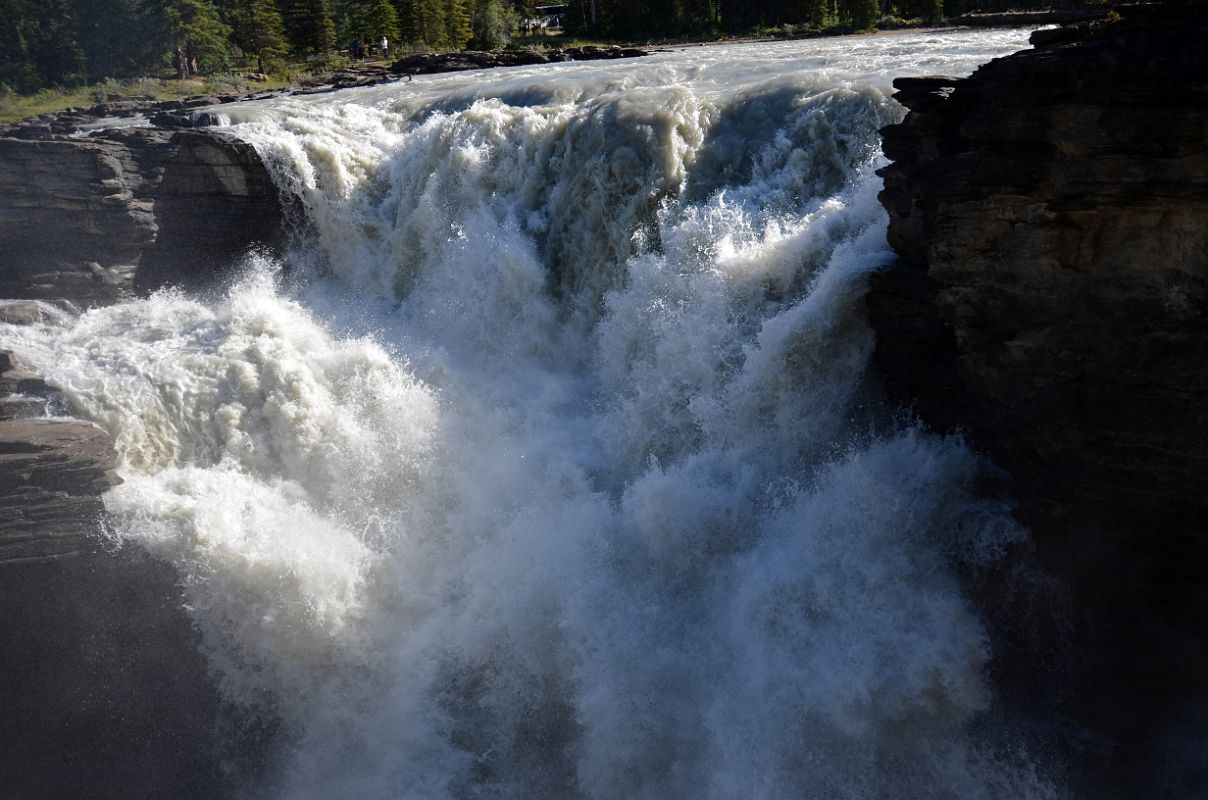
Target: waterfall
pixel 552 468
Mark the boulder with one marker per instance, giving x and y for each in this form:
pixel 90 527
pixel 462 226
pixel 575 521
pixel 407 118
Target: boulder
pixel 30 312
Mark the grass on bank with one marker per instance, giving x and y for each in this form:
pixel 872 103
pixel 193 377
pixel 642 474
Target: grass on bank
pixel 15 106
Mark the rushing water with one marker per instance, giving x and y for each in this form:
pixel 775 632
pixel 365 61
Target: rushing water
pixel 554 470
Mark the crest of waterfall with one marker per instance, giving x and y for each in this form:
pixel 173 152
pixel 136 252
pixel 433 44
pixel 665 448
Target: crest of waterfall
pixel 553 471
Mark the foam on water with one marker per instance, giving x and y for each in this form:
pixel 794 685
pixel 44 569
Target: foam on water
pixel 559 477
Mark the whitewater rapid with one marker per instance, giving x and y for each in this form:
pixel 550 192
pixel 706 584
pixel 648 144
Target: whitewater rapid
pixel 551 468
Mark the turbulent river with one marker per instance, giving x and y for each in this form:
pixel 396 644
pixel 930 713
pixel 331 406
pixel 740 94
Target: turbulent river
pixel 551 467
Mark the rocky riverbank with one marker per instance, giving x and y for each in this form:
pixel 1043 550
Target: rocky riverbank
pixel 104 685
pixel 1051 299
pixel 185 113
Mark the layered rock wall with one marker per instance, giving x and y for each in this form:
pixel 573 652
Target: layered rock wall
pixel 1051 299
pixel 80 217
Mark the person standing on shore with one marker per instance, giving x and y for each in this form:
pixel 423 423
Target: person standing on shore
pixel 384 43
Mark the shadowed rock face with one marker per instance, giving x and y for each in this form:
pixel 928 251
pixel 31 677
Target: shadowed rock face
pixel 1051 297
pixel 105 692
pixel 104 687
pixel 215 203
pixel 54 471
pixel 79 216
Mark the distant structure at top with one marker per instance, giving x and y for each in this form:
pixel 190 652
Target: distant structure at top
pixel 544 20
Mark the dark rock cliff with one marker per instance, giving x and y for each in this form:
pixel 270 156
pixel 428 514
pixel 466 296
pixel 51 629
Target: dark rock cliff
pixel 84 217
pixel 104 685
pixel 105 693
pixel 1051 298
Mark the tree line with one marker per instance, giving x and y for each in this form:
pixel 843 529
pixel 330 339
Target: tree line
pixel 47 43
pixel 654 19
pixel 67 43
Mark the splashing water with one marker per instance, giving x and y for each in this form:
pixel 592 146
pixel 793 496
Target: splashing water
pixel 559 476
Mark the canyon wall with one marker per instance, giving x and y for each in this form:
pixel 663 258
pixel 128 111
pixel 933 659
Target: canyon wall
pixel 1050 213
pixel 104 686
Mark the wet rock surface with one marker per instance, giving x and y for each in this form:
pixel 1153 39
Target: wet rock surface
pixel 1051 298
pixel 54 470
pixel 132 112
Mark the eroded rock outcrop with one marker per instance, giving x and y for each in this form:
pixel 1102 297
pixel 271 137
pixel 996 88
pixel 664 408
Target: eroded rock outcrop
pixel 214 203
pixel 1051 298
pixel 80 218
pixel 54 470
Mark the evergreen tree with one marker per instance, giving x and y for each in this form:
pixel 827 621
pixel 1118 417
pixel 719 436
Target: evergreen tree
pixel 458 28
pixel 492 24
pixel 409 28
pixel 429 23
pixel 118 37
pixel 309 25
pixel 574 19
pixel 257 29
pixel 926 10
pixel 377 18
pixel 860 14
pixel 344 17
pixel 816 12
pixel 193 29
pixel 40 37
pixel 739 16
pixel 698 15
pixel 367 20
pixel 16 67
